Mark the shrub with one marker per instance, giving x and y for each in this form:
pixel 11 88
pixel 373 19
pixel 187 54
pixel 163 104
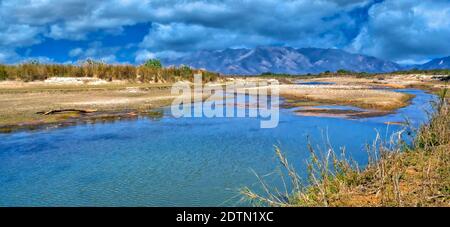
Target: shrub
pixel 153 63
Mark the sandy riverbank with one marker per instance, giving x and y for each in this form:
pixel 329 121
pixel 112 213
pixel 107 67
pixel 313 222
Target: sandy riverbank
pixel 373 94
pixel 21 101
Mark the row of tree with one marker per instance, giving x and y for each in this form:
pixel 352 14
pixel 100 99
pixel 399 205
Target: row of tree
pixel 150 71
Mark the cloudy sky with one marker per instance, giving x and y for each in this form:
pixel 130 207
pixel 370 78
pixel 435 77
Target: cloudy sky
pixel 130 31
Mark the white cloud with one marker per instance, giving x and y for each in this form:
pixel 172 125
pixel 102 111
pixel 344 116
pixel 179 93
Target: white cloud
pixel 75 52
pixel 144 55
pixel 40 59
pixel 406 30
pixel 185 37
pixel 18 35
pixel 74 19
pixel 8 56
pixel 95 51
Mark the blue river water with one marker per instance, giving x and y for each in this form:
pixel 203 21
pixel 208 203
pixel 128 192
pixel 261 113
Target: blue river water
pixel 171 162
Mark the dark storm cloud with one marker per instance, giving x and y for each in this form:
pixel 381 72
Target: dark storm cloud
pixel 234 23
pixel 406 30
pixel 401 30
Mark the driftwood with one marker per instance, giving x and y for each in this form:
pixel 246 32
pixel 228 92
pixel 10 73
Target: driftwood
pixel 66 110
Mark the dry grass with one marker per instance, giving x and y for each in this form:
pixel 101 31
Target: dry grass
pixel 397 174
pixel 34 71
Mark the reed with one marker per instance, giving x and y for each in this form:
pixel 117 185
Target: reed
pixel 33 71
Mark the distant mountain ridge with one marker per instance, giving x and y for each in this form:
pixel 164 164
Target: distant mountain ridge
pixel 439 63
pixel 282 60
pixel 286 60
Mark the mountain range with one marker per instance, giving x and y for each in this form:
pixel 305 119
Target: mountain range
pixel 439 63
pixel 291 60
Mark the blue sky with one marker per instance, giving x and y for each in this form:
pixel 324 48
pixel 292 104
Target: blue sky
pixel 130 31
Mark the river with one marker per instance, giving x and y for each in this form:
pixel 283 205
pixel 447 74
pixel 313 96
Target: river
pixel 172 162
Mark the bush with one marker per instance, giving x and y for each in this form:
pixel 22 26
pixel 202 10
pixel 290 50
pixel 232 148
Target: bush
pixel 153 63
pixel 344 72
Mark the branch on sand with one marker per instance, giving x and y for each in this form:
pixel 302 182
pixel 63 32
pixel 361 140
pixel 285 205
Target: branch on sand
pixel 67 110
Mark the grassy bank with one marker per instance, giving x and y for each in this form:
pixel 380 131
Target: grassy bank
pixel 396 175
